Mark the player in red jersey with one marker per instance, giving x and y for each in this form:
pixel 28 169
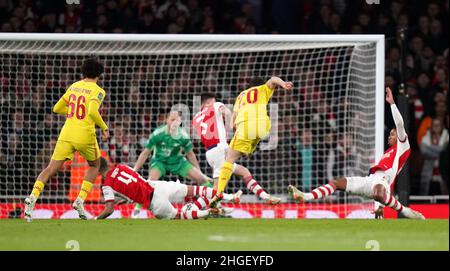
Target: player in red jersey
pixel 156 196
pixel 379 184
pixel 209 124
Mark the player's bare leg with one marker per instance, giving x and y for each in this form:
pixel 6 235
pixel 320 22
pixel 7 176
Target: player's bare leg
pixel 52 168
pixel 380 194
pixel 153 175
pixel 320 192
pixel 88 180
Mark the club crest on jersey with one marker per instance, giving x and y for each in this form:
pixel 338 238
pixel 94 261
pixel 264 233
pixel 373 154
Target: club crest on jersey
pixel 388 153
pixel 100 96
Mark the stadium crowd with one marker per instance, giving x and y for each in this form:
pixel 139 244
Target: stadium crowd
pixel 23 101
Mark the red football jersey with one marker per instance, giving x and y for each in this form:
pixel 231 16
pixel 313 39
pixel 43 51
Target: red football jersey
pixel 209 125
pixel 126 181
pixel 393 160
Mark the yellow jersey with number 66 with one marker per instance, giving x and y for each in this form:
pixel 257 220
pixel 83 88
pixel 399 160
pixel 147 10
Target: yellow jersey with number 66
pixel 79 126
pixel 251 104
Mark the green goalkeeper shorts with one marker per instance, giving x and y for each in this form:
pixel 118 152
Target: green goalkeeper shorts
pixel 180 169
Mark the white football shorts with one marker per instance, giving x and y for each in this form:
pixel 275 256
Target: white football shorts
pixel 363 186
pixel 165 193
pixel 216 158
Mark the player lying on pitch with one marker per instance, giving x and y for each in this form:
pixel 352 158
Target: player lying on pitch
pixel 209 124
pixel 80 105
pixel 156 196
pixel 170 145
pixel 252 124
pixel 380 182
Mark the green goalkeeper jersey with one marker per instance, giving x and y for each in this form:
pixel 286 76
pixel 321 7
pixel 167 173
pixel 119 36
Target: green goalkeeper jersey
pixel 166 148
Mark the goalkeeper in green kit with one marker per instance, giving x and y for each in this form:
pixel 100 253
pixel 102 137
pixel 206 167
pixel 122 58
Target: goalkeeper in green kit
pixel 172 153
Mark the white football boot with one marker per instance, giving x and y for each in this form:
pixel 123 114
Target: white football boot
pixel 137 210
pixel 296 194
pixel 79 207
pixel 237 197
pixel 272 200
pixel 412 214
pixel 29 207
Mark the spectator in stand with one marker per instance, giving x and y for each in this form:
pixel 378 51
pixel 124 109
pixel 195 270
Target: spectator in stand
pixel 169 4
pixel 416 46
pixel 415 108
pixel 425 92
pixel 119 145
pixel 16 164
pixel 149 24
pixel 423 27
pixel 48 23
pixel 440 62
pixel 440 112
pixel 70 17
pixel 393 62
pixel 336 24
pixel 433 144
pixel 427 59
pixel 440 82
pixel 341 155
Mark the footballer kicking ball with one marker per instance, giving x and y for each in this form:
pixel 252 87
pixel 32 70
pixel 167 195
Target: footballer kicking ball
pixel 189 207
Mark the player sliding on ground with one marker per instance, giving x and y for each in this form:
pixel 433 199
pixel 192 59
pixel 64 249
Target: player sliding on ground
pixel 379 184
pixel 156 196
pixel 209 124
pixel 252 124
pixel 80 104
pixel 168 143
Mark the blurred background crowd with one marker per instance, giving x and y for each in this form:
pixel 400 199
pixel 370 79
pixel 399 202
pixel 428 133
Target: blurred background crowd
pixel 426 71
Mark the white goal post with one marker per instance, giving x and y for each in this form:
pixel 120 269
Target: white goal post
pixel 147 73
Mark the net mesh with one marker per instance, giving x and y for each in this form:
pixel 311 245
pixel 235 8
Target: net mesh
pixel 323 129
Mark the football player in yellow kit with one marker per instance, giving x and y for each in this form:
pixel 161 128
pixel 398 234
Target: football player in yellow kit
pixel 80 104
pixel 252 124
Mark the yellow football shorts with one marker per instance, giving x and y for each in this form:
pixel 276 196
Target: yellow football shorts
pixel 64 150
pixel 248 135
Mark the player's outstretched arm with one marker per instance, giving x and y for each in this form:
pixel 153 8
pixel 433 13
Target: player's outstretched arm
pixel 142 158
pixel 61 107
pixel 109 209
pixel 277 81
pixel 398 120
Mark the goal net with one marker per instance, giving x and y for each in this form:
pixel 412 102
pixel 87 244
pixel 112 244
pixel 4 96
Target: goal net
pixel 328 126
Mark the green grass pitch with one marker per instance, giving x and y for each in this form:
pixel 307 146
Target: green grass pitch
pixel 225 234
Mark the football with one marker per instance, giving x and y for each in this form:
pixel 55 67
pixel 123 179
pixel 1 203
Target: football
pixel 189 207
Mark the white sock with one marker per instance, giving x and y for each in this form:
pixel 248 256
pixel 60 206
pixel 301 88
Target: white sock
pixel 194 214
